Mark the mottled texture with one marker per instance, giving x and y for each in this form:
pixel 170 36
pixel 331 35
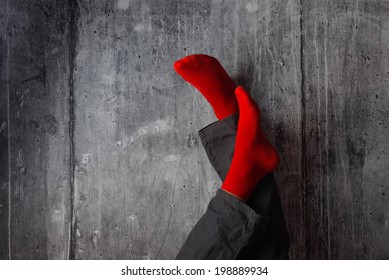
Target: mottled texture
pixel 35 195
pixel 346 96
pixel 99 153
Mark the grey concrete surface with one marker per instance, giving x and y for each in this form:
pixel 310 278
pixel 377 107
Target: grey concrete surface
pixel 99 153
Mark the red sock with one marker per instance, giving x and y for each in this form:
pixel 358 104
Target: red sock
pixel 207 75
pixel 254 156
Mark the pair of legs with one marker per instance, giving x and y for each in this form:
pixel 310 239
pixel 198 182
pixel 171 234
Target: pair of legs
pixel 254 156
pixel 244 219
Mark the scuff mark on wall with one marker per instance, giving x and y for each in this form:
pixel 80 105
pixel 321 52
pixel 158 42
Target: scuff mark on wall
pixel 252 7
pixel 158 127
pixel 85 159
pixel 139 27
pixel 123 4
pixel 172 157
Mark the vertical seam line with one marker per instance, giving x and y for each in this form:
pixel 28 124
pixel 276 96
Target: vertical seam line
pixel 72 37
pixel 9 136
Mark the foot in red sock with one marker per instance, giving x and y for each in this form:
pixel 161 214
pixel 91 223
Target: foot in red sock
pixel 254 156
pixel 207 75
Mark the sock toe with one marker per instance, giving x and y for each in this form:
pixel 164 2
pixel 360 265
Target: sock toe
pixel 179 66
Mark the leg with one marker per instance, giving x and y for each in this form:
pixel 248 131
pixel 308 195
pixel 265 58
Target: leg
pixel 218 140
pixel 269 240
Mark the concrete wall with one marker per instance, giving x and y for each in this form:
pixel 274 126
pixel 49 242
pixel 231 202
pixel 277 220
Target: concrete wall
pixel 100 157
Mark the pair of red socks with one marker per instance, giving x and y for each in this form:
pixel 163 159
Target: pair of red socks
pixel 254 156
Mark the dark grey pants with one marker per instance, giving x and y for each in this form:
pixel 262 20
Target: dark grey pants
pixel 231 229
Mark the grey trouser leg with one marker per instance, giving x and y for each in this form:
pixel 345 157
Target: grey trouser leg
pixel 231 229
